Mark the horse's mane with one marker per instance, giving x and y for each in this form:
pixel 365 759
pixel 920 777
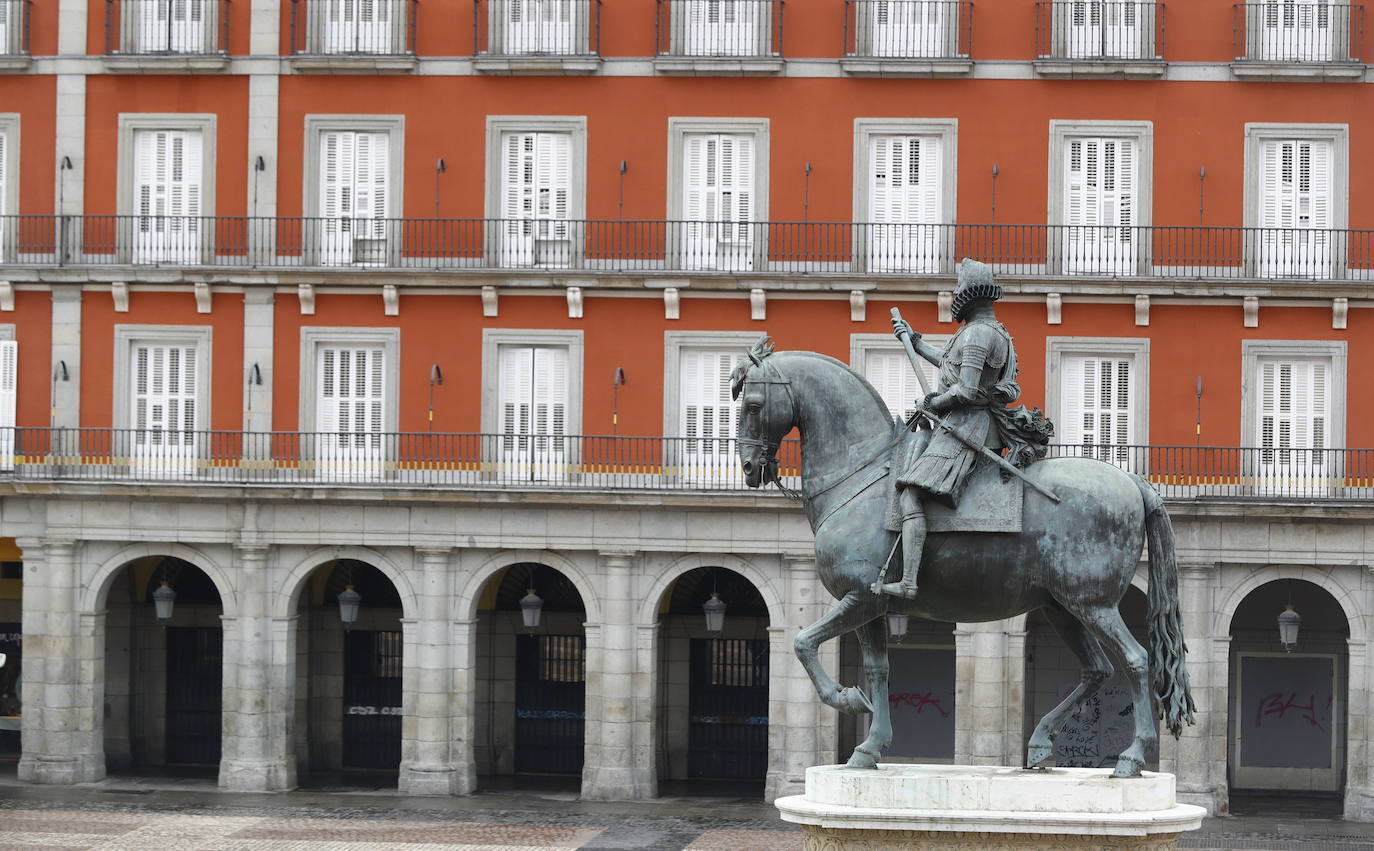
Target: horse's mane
pixel 763 348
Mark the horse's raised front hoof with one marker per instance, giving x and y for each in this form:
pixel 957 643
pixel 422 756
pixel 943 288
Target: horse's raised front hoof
pixel 853 701
pixel 1038 755
pixel 1128 767
pixel 862 759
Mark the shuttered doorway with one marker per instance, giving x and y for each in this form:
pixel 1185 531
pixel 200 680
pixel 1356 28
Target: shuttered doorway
pixel 550 697
pixel 727 735
pixel 372 700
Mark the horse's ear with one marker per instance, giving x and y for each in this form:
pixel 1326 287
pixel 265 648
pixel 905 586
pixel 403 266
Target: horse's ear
pixel 763 347
pixel 737 380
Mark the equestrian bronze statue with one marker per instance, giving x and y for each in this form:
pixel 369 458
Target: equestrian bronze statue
pixel 994 535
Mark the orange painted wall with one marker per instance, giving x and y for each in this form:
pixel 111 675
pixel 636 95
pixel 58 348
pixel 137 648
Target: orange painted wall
pixel 32 318
pixel 109 95
pixel 98 321
pixel 33 98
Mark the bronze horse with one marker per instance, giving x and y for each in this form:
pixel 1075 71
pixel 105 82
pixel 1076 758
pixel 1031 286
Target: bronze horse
pixel 1073 560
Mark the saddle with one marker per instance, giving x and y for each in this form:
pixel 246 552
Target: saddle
pixel 988 504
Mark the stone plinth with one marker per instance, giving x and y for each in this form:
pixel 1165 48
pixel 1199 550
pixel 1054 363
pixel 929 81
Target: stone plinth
pixel 987 807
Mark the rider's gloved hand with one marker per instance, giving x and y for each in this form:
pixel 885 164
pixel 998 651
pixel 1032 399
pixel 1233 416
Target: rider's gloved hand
pixel 900 327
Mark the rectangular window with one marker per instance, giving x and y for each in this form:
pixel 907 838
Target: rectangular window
pixel 1296 207
pixel 1293 417
pixel 361 26
pixel 908 29
pixel 170 26
pixel 533 410
pixel 354 199
pixel 890 373
pixel 906 203
pixel 9 373
pixel 547 27
pixel 168 171
pixel 1298 30
pixel 708 418
pixel 722 27
pixel 165 407
pixel 1098 394
pixel 350 411
pixel 718 201
pixel 536 199
pixel 1106 29
pixel 6 227
pixel 1099 234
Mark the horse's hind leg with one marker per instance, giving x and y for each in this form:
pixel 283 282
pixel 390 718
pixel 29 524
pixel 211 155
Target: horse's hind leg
pixel 848 615
pixel 1096 668
pixel 873 642
pixel 1107 625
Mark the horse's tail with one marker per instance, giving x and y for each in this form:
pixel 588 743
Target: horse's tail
pixel 1168 669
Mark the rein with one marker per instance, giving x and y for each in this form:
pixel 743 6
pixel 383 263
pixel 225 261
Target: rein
pixel 770 447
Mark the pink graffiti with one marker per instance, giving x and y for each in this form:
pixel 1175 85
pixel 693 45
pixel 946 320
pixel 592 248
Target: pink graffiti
pixel 918 702
pixel 1277 704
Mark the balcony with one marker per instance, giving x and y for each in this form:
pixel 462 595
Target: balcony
pixel 166 36
pixel 586 463
pixel 536 36
pixel 1298 39
pixel 14 35
pixel 910 38
pixel 351 36
pixel 1099 38
pixel 720 37
pixel 832 254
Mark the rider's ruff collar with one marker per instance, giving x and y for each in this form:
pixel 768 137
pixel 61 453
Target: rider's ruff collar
pixel 975 284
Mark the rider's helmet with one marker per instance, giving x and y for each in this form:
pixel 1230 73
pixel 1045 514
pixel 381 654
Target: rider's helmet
pixel 975 284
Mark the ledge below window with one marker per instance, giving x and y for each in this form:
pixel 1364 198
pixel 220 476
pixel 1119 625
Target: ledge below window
pixel 1121 69
pixel 15 62
pixel 315 63
pixel 874 66
pixel 537 65
pixel 719 66
pixel 1349 72
pixel 153 63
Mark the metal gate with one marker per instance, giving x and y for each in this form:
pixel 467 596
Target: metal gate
pixel 372 700
pixel 727 737
pixel 550 694
pixel 194 673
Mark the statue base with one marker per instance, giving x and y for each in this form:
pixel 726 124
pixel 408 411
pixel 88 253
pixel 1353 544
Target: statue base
pixel 947 807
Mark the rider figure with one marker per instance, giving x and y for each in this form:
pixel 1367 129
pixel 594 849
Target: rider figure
pixel 977 373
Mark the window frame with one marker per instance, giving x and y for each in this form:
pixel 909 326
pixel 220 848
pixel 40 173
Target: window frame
pixel 497 127
pixel 1142 132
pixel 315 336
pixel 862 345
pixel 494 339
pixel 1137 348
pixel 947 131
pixel 678 129
pixel 674 342
pixel 1258 133
pixel 9 200
pixel 1335 351
pixel 128 336
pixel 126 207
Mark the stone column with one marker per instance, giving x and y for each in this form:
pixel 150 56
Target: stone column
pixel 985 698
pixel 1357 790
pixel 259 685
pixel 62 691
pixel 1201 774
pixel 428 766
pixel 619 763
pixel 795 717
pixel 464 633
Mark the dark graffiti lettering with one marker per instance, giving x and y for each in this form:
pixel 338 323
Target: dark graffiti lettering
pixel 1277 704
pixel 918 702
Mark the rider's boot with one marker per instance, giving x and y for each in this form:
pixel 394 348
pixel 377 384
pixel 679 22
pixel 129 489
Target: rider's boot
pixel 913 544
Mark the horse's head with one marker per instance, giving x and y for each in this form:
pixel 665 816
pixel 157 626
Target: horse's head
pixel 767 411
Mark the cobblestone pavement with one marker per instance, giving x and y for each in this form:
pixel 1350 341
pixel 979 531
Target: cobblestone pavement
pixel 119 814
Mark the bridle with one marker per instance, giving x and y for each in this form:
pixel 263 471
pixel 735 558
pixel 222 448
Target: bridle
pixel 769 447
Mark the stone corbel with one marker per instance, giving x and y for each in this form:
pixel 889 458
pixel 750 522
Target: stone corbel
pixel 574 302
pixel 1054 309
pixel 391 300
pixel 119 291
pixel 1142 310
pixel 6 296
pixel 1340 313
pixel 489 301
pixel 306 292
pixel 202 296
pixel 672 303
pixel 758 305
pixel 1251 308
pixel 858 306
pixel 943 304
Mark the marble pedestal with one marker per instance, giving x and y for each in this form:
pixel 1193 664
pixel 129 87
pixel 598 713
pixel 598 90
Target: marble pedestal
pixel 939 807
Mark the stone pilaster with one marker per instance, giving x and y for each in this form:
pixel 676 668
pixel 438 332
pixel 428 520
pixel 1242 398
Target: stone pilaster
pixel 796 732
pixel 618 764
pixel 258 318
pixel 464 726
pixel 259 685
pixel 989 694
pixel 428 766
pixel 66 349
pixel 62 692
pixel 1191 759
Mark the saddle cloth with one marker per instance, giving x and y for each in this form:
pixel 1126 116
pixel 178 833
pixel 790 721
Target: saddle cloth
pixel 987 505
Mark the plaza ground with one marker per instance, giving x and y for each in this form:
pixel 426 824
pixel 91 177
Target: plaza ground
pixel 189 813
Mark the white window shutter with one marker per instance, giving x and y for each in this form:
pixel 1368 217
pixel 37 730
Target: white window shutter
pixel 698 150
pixel 9 375
pixel 1318 189
pixel 165 388
pixel 707 409
pixel 352 390
pixel 550 397
pixel 891 375
pixel 4 172
pixel 150 157
pixel 515 389
pixel 930 191
pixel 517 173
pixel 1075 182
pixel 1276 205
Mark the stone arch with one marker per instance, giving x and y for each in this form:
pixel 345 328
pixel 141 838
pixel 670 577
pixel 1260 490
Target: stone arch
pixel 471 592
pixel 93 593
pixel 663 580
pixel 1324 578
pixel 284 602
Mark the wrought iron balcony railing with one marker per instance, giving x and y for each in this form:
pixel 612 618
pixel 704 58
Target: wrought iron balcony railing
pixel 546 461
pixel 14 27
pixel 166 27
pixel 646 247
pixel 1100 30
pixel 353 27
pixel 729 29
pixel 1298 31
pixel 551 28
pixel 908 29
